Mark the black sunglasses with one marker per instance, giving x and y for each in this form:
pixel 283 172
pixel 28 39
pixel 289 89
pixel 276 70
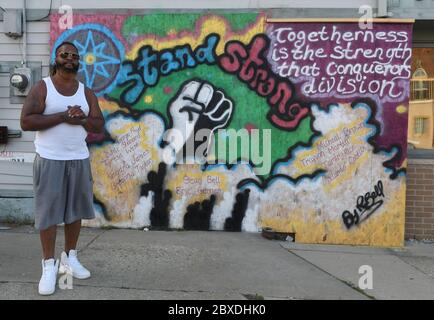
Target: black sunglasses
pixel 65 55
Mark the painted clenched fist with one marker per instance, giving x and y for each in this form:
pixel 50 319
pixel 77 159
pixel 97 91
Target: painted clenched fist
pixel 197 110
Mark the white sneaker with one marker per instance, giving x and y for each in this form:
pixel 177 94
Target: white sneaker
pixel 47 284
pixel 71 263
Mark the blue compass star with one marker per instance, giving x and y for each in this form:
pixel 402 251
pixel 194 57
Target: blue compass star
pixel 93 59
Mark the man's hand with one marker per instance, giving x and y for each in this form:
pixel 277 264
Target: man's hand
pixel 75 112
pixel 75 116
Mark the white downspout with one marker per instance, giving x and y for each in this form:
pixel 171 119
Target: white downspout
pixel 24 61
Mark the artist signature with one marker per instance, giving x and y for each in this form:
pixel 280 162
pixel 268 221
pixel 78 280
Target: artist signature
pixel 366 205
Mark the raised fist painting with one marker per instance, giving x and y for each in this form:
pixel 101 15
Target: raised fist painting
pixel 196 111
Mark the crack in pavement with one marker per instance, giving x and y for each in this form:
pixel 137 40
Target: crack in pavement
pixel 347 283
pixel 93 240
pixel 415 267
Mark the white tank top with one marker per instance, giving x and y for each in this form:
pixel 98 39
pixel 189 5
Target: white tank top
pixel 64 141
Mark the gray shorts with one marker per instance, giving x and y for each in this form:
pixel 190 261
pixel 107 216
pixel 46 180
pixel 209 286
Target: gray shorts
pixel 63 191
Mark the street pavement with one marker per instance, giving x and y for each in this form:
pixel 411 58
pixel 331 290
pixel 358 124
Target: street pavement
pixel 211 265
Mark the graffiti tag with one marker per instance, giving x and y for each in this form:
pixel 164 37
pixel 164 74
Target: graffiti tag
pixel 366 205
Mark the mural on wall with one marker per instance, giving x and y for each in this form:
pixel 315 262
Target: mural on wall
pixel 227 122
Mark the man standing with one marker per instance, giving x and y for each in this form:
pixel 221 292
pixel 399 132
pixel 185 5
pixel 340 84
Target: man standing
pixel 61 110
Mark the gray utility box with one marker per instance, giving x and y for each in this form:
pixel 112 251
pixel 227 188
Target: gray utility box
pixel 21 81
pixel 13 23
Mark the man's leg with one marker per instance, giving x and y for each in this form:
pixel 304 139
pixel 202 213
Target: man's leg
pixel 72 231
pixel 48 241
pixel 47 283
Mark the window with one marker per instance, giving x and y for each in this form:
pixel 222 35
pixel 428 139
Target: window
pixel 420 126
pixel 421 89
pixel 421 85
pixel 420 134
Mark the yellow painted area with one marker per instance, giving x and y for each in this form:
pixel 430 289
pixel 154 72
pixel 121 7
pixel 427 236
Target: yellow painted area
pixel 148 99
pixel 120 197
pixel 191 178
pixel 404 164
pixel 127 127
pixel 356 139
pixel 384 228
pixel 401 109
pixel 109 106
pixel 106 188
pixel 144 142
pixel 171 32
pixel 121 218
pixel 213 24
pixel 89 58
pixel 349 172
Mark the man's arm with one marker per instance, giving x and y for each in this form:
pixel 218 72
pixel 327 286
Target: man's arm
pixel 32 118
pixel 94 122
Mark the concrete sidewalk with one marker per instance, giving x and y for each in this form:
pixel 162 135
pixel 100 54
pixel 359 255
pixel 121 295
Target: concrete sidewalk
pixel 133 264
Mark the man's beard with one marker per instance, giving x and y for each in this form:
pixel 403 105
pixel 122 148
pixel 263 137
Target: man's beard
pixel 62 67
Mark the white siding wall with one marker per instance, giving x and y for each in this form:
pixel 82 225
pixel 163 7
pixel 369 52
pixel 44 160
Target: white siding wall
pixel 18 176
